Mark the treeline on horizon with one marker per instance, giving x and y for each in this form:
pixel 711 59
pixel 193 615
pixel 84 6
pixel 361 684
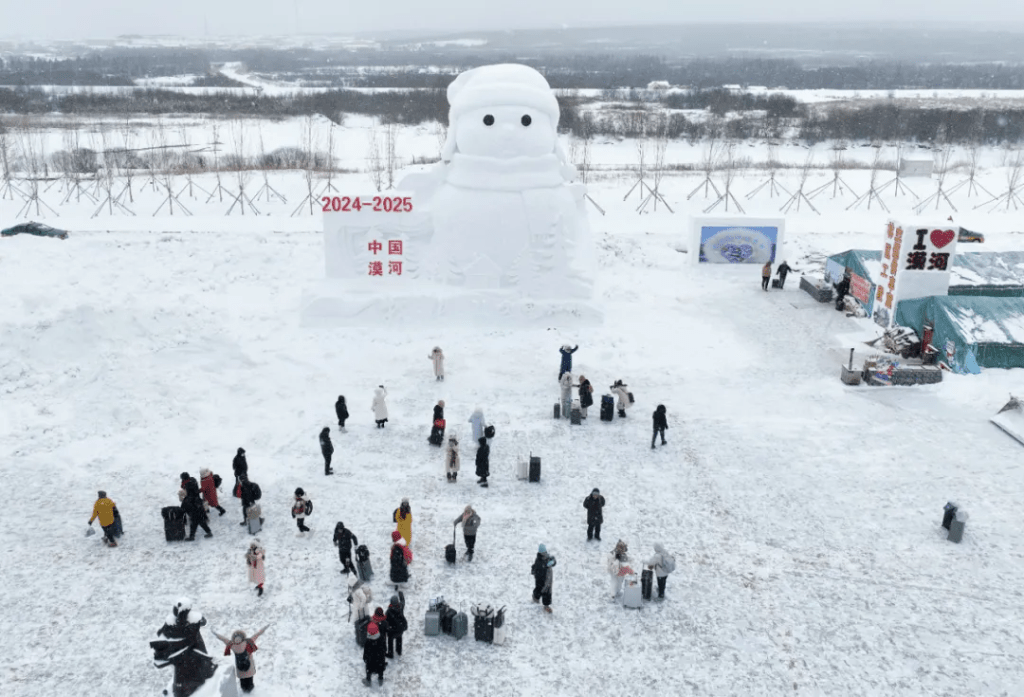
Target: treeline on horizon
pixel 692 115
pixel 435 68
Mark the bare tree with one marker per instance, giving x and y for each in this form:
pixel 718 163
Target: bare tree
pixel 162 173
pixel 390 153
pixel 266 188
pixel 374 157
pixel 242 171
pixel 799 195
pixel 107 177
pixel 1014 186
pixel 772 165
pixel 7 188
pixel 658 168
pixel 215 144
pixel 942 169
pixel 730 170
pixel 309 142
pixel 128 165
pixel 708 164
pixel 33 154
pixel 873 193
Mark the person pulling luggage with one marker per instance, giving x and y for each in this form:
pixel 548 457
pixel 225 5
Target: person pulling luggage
pixel 470 522
pixel 106 511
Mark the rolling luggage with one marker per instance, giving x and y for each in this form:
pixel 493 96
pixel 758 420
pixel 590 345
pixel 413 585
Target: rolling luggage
pixel 646 584
pixel 776 283
pixel 460 625
pixel 364 570
pixel 118 526
pixel 534 475
pixel 499 627
pixel 254 518
pixel 174 523
pixel 449 550
pixel 575 413
pixel 448 620
pixel 607 408
pixel 483 624
pixel 361 626
pixel 631 596
pixel 522 469
pixel 432 621
pixel 558 410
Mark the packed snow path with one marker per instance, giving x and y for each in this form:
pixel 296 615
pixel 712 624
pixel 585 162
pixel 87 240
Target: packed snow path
pixel 803 515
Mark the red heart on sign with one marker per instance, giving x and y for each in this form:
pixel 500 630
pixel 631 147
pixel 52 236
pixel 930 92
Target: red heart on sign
pixel 940 238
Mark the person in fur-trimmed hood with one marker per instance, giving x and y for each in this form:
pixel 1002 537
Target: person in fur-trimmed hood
pixel 374 654
pixel 243 648
pixel 621 390
pixel 662 563
pixel 379 406
pixel 255 563
pixel 618 567
pixel 451 458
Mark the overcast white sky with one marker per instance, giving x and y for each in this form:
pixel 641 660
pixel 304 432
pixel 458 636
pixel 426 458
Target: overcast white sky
pixel 84 19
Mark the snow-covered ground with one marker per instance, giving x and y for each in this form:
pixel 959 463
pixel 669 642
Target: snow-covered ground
pixel 804 514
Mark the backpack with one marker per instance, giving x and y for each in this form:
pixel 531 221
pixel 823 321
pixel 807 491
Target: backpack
pixel 397 555
pixel 489 431
pixel 309 507
pixel 631 400
pixel 216 481
pixel 257 493
pixel 668 563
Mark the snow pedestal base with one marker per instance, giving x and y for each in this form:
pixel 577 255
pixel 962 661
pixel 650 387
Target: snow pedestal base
pixel 341 304
pixel 222 684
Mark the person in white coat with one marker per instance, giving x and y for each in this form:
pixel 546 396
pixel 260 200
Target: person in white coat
pixel 437 356
pixel 565 384
pixel 621 390
pixel 380 407
pixel 299 507
pixel 663 564
pixel 477 420
pixel 618 567
pixel 359 597
pixel 451 458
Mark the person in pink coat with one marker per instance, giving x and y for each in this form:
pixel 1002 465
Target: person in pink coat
pixel 255 560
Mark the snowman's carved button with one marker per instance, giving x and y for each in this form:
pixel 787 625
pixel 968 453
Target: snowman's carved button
pixel 526 120
pixel 488 120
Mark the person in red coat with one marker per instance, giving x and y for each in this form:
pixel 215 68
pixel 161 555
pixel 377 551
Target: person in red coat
pixel 209 489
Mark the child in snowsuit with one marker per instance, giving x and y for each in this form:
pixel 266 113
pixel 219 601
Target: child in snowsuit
pixel 208 487
pixel 437 356
pixel 374 651
pixel 595 514
pixel 660 419
pixel 483 462
pixel 105 510
pixel 344 540
pixel 566 364
pixel 327 449
pixel 470 522
pixel 543 576
pixel 299 509
pixel 243 649
pixel 341 410
pixel 380 407
pixel 396 624
pixel 255 560
pixel 451 459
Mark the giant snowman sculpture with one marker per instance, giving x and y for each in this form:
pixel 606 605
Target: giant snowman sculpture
pixel 499 230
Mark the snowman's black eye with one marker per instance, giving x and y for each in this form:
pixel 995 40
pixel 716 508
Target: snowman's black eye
pixel 526 120
pixel 488 120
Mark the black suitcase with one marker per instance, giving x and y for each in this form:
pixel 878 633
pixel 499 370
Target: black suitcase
pixel 364 570
pixel 607 407
pixel 449 550
pixel 483 625
pixel 361 626
pixel 558 410
pixel 448 619
pixel 534 475
pixel 646 584
pixel 776 283
pixel 174 523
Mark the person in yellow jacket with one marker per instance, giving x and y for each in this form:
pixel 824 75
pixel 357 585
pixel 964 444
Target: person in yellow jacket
pixel 766 275
pixel 403 521
pixel 104 509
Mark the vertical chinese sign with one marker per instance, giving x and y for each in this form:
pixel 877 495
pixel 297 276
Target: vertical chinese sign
pixel 916 263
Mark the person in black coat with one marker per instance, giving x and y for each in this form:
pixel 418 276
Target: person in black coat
pixel 660 424
pixel 342 411
pixel 586 396
pixel 240 466
pixel 248 494
pixel 327 448
pixel 437 425
pixel 566 365
pixel 374 654
pixel 595 514
pixel 483 462
pixel 345 540
pixel 397 624
pixel 842 288
pixel 783 271
pixel 192 505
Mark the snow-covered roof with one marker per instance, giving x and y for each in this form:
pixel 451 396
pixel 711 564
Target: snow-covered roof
pixel 968 269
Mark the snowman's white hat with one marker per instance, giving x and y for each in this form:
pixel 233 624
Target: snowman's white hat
pixel 504 84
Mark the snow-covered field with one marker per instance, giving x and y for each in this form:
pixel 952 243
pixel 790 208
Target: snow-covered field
pixel 804 515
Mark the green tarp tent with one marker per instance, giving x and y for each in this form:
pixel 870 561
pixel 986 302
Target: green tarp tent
pixel 990 328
